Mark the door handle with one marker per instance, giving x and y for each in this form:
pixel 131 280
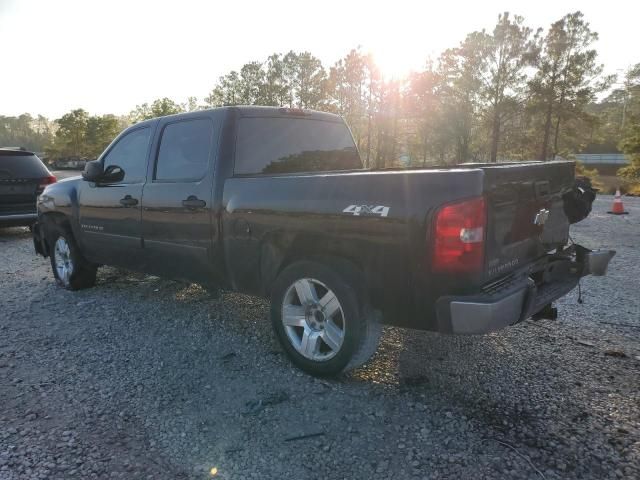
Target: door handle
pixel 128 201
pixel 193 202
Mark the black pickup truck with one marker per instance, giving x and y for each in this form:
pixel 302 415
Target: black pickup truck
pixel 275 202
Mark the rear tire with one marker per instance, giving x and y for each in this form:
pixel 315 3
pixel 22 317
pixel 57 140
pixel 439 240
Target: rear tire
pixel 323 323
pixel 70 269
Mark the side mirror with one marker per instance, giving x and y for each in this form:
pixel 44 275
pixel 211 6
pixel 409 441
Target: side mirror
pixel 92 171
pixel 112 174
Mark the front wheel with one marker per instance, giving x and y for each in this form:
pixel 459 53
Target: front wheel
pixel 70 269
pixel 322 323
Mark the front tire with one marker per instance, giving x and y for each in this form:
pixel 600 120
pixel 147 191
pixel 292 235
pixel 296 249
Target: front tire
pixel 323 323
pixel 70 269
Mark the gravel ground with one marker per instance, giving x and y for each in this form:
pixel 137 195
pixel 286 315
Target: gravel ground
pixel 146 378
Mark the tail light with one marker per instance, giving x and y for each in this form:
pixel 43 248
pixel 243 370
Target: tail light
pixel 459 237
pixel 44 182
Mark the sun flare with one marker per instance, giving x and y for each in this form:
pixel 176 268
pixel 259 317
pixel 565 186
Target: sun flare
pixel 391 62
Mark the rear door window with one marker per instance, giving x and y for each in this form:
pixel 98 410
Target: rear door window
pixel 21 165
pixel 184 151
pixel 271 145
pixel 130 154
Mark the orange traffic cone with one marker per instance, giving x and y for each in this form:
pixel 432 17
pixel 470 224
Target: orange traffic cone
pixel 618 208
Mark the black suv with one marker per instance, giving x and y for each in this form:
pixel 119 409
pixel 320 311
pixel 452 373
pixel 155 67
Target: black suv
pixel 23 177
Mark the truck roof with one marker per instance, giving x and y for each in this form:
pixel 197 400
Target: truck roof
pixel 259 111
pixel 256 111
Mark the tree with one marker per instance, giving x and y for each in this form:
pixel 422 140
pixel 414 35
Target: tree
pixel 386 123
pixel 306 79
pixel 459 70
pixel 421 104
pixel 617 111
pixel 630 145
pixel 100 131
pixel 374 85
pixel 297 79
pixel 159 108
pixel 191 105
pixel 83 136
pixel 226 91
pixel 70 137
pixel 252 84
pixel 256 84
pixel 350 89
pixel 566 77
pixel 276 90
pixel 25 131
pixel 506 52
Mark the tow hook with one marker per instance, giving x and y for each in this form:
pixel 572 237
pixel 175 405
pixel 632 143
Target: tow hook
pixel 548 312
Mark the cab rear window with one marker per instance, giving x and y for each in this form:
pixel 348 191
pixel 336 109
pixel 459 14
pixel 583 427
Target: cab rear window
pixel 272 145
pixel 21 165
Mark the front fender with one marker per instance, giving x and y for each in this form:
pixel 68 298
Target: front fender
pixel 61 199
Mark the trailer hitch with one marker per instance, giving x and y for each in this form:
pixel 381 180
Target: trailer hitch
pixel 548 312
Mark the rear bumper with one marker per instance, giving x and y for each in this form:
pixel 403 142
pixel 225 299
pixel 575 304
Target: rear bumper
pixel 17 219
pixel 473 315
pixel 518 298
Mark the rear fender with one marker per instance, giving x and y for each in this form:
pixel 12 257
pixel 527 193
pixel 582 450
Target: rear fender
pixel 279 251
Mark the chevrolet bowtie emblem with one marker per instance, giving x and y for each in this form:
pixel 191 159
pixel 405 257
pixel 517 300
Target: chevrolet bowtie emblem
pixel 541 217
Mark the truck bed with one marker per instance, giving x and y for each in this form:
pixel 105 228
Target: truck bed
pixel 383 220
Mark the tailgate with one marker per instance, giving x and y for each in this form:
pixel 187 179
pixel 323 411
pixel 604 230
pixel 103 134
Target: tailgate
pixel 526 217
pixel 21 173
pixel 18 195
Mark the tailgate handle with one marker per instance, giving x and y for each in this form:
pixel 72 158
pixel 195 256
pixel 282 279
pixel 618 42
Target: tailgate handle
pixel 542 189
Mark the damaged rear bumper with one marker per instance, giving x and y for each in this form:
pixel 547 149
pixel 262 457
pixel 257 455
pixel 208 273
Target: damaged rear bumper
pixel 517 297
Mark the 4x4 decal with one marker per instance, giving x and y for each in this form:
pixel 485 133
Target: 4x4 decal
pixel 367 210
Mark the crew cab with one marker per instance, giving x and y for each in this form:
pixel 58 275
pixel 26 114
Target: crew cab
pixel 275 202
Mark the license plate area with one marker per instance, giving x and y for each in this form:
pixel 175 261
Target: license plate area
pixel 17 189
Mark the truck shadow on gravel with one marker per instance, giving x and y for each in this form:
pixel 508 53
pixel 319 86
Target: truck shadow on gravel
pixel 520 386
pixel 174 379
pixel 446 369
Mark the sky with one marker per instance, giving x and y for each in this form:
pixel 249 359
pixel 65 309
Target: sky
pixel 107 56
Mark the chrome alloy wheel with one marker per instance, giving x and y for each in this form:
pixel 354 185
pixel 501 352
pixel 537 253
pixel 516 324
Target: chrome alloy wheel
pixel 64 263
pixel 313 319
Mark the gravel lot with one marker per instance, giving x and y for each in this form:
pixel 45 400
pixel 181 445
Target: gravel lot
pixel 147 378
